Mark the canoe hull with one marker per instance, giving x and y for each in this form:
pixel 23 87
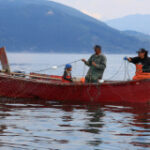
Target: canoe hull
pixel 126 92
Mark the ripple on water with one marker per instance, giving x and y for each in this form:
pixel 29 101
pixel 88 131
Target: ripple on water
pixel 56 126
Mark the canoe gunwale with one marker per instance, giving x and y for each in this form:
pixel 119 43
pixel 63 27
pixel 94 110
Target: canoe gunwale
pixel 52 82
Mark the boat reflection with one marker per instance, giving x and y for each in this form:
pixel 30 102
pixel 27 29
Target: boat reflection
pixel 99 126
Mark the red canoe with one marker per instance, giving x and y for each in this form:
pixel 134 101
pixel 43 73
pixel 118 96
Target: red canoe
pixel 45 87
pixel 50 89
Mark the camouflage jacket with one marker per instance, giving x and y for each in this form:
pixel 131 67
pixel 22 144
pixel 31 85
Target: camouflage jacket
pixel 96 72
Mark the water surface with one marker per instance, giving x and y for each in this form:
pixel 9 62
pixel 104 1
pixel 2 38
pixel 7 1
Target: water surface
pixel 48 125
pixel 73 127
pixel 116 67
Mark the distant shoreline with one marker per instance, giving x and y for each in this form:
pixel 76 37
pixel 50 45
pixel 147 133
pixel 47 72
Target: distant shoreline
pixel 64 53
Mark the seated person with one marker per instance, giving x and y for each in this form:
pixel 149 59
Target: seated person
pixel 142 63
pixel 67 73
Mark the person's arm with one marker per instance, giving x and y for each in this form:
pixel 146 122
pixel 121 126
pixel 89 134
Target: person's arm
pixel 89 62
pixel 102 64
pixel 133 60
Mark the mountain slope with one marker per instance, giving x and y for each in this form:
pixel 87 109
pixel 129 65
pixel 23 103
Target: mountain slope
pixel 139 23
pixel 43 26
pixel 138 35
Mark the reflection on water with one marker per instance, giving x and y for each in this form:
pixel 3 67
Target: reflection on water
pixel 53 126
pixel 46 125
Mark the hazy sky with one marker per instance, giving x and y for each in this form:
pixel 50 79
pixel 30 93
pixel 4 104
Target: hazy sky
pixel 109 9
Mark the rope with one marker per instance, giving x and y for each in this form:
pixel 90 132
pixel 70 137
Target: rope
pixel 75 68
pixel 125 63
pixel 114 75
pixel 84 69
pixel 59 66
pixel 126 71
pixel 128 74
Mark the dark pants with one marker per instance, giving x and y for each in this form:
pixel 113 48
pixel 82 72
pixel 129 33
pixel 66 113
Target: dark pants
pixel 90 80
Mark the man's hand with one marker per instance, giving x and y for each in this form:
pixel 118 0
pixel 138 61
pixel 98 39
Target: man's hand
pixel 129 59
pixel 126 58
pixel 94 64
pixel 84 60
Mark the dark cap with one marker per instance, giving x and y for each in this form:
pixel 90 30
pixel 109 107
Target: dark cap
pixel 142 50
pixel 97 46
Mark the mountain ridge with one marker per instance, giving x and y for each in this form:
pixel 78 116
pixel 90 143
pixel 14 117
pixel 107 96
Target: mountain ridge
pixel 46 26
pixel 137 22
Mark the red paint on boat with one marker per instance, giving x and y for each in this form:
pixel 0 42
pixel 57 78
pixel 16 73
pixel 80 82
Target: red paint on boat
pixel 128 92
pixel 50 87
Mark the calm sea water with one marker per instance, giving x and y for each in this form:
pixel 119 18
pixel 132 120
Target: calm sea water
pixel 52 126
pixel 116 68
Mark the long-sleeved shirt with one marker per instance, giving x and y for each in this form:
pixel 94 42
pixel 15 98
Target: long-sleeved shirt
pixel 145 62
pixel 96 72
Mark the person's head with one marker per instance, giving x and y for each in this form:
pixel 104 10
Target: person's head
pixel 97 49
pixel 142 53
pixel 68 67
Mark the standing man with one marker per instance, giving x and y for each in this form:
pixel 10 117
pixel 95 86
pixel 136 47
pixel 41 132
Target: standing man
pixel 97 64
